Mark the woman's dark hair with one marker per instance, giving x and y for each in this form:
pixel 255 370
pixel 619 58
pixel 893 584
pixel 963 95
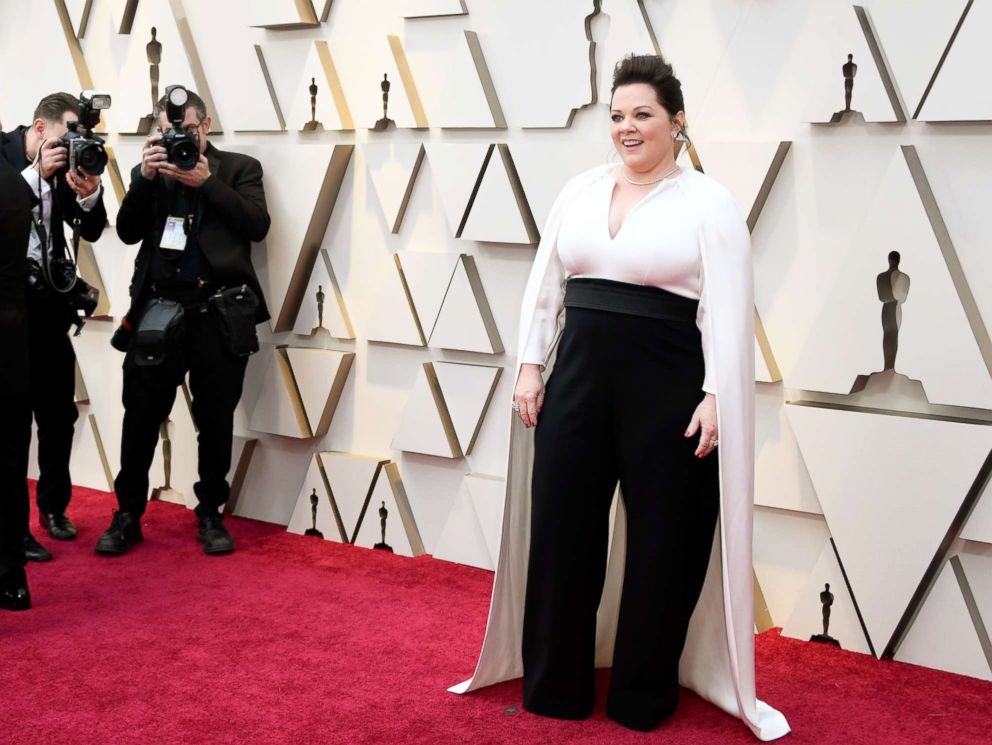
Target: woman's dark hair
pixel 652 70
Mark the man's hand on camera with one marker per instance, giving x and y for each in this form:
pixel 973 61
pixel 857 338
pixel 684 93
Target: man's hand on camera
pixel 152 157
pixel 82 183
pixel 194 178
pixel 53 158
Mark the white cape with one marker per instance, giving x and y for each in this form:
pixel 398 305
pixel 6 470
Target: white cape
pixel 718 661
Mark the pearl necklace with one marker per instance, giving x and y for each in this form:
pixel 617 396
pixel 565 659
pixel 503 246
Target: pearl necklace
pixel 631 181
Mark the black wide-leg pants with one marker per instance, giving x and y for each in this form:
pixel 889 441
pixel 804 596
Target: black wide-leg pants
pixel 216 379
pixel 616 407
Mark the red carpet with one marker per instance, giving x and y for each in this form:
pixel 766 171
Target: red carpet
pixel 297 640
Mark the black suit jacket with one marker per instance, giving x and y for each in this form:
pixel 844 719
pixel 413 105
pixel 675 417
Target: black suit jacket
pixel 16 199
pixel 64 205
pixel 231 215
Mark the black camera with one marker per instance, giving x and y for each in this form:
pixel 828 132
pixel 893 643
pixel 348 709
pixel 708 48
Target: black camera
pixel 61 274
pixel 181 148
pixel 86 150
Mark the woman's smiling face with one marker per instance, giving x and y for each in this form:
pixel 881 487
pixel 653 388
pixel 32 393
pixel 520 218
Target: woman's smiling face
pixel 642 129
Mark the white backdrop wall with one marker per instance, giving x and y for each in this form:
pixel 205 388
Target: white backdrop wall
pixel 868 479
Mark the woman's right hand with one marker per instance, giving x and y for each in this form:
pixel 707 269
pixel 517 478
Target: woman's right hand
pixel 529 394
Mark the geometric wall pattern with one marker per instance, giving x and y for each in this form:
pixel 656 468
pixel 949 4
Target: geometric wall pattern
pixel 446 409
pixel 436 300
pixel 356 499
pixel 471 533
pixel 300 391
pixel 873 463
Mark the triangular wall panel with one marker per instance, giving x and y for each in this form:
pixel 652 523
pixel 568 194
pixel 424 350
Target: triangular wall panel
pixel 427 277
pixel 914 35
pixel 955 96
pixel 278 409
pixel 807 618
pixel 746 169
pixel 462 540
pixel 180 65
pixel 780 476
pixel 322 309
pixel 302 519
pixel 300 218
pixel 320 376
pixel 393 170
pixel 393 318
pixel 467 392
pixel 225 46
pixel 453 79
pixel 351 478
pixel 285 15
pixel 839 33
pixel 466 321
pixel 434 8
pixel 488 496
pixel 425 426
pixel 943 634
pixel 456 169
pixel 499 212
pixel 545 168
pixel 402 535
pixel 887 499
pixel 936 344
pixel 332 109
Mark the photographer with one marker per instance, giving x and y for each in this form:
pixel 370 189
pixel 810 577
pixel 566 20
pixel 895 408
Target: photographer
pixel 195 302
pixel 15 420
pixel 64 195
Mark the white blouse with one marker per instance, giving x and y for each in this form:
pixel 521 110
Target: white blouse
pixel 645 251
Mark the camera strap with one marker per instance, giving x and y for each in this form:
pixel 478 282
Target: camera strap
pixel 45 236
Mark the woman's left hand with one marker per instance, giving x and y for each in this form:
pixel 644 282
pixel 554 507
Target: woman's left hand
pixel 704 419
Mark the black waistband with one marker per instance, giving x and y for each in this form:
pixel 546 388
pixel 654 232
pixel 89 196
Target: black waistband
pixel 623 297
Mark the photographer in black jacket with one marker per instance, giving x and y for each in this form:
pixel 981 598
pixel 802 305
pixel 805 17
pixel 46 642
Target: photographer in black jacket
pixel 195 302
pixel 15 419
pixel 62 196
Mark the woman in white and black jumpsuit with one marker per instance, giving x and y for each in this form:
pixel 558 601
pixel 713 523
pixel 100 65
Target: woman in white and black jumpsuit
pixel 628 401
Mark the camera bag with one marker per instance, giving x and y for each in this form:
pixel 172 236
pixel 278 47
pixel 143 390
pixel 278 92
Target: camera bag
pixel 236 308
pixel 160 332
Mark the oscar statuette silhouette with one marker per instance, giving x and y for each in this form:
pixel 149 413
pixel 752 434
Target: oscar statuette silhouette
pixel 383 514
pixel 849 69
pixel 313 125
pixel 385 123
pixel 826 600
pixel 314 501
pixel 153 51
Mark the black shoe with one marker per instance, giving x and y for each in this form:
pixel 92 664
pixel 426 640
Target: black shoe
pixel 213 534
pixel 34 551
pixel 58 526
pixel 124 532
pixel 14 593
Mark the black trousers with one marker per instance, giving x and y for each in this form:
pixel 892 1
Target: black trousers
pixel 15 440
pixel 617 404
pixel 53 401
pixel 216 379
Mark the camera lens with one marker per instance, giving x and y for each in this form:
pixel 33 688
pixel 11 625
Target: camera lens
pixel 92 158
pixel 185 154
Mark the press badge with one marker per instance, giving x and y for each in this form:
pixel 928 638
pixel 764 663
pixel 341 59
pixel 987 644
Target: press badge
pixel 174 234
